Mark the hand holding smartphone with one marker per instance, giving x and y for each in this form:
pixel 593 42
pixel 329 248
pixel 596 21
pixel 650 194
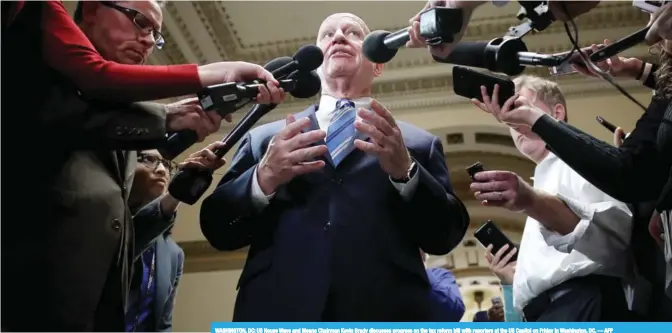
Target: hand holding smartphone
pixel 489 234
pixel 474 169
pixel 609 126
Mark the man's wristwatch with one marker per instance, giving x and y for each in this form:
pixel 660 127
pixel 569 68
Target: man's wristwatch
pixel 409 174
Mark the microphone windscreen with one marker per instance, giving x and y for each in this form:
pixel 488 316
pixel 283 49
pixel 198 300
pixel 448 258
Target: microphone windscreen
pixel 470 54
pixel 277 63
pixel 308 84
pixel 308 58
pixel 374 47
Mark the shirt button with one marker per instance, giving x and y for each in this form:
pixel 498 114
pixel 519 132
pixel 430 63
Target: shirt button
pixel 116 225
pixel 327 226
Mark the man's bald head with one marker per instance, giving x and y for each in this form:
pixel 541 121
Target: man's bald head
pixel 345 72
pixel 339 17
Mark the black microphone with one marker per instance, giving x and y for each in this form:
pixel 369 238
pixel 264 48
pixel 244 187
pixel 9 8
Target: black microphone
pixel 620 45
pixel 306 59
pixel 228 97
pixel 437 25
pixel 189 184
pixel 504 55
pixel 226 100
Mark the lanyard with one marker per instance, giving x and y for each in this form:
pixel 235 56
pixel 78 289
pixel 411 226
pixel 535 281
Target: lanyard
pixel 141 300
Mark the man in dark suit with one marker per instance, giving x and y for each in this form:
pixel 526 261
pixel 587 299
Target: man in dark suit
pixel 71 264
pixel 335 202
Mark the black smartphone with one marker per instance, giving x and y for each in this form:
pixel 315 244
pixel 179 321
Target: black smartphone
pixel 467 83
pixel 611 127
pixel 474 169
pixel 488 234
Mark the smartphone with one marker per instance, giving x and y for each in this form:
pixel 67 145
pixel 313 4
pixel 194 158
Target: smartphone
pixel 566 67
pixel 488 234
pixel 474 169
pixel 648 6
pixel 606 124
pixel 467 83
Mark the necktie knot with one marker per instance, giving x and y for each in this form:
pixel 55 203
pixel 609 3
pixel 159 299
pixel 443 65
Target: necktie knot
pixel 344 103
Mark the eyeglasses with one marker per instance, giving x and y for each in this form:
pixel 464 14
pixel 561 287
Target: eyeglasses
pixel 152 162
pixel 141 22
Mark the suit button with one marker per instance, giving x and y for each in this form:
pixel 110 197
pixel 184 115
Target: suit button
pixel 116 225
pixel 337 181
pixel 327 226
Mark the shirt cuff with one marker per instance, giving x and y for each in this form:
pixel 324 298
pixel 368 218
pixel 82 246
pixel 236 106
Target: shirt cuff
pixel 259 199
pixel 407 189
pixel 565 243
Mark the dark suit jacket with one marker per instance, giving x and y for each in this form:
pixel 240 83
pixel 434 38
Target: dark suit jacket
pixel 342 238
pixel 169 265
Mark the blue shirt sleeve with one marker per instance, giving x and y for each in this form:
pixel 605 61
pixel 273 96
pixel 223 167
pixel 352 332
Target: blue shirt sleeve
pixel 510 314
pixel 446 293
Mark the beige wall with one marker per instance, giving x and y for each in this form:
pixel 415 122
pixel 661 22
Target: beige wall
pixel 204 298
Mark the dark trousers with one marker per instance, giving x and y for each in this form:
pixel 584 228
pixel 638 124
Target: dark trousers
pixel 591 298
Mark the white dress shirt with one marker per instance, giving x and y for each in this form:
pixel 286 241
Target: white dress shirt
pixel 324 114
pixel 599 244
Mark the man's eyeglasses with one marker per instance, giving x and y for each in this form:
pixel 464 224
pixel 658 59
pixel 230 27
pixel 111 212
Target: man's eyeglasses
pixel 152 162
pixel 141 22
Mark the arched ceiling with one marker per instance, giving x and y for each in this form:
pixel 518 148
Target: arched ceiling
pixel 258 31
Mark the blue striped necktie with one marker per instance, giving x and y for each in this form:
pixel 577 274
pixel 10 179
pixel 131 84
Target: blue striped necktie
pixel 341 131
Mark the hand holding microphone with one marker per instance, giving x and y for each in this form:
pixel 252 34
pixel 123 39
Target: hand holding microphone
pixel 239 71
pixel 189 184
pixel 187 115
pixel 441 50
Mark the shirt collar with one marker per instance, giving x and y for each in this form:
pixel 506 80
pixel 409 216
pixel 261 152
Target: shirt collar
pixel 328 103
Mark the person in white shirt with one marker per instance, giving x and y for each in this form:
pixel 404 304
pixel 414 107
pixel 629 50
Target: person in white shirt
pixel 574 255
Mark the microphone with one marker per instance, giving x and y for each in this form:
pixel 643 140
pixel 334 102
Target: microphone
pixel 306 59
pixel 620 45
pixel 189 184
pixel 437 25
pixel 226 98
pixel 504 55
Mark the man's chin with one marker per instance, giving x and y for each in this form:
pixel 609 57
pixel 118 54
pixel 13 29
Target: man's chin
pixel 341 70
pixel 126 60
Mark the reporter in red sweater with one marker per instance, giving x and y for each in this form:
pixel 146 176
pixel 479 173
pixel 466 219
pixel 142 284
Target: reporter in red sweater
pixel 70 101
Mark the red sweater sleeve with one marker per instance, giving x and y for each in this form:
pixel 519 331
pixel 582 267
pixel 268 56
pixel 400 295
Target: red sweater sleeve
pixel 69 51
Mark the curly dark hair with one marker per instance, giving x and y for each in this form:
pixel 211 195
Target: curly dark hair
pixel 664 75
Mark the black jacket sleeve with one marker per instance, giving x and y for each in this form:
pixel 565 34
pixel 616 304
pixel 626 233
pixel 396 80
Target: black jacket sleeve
pixel 631 173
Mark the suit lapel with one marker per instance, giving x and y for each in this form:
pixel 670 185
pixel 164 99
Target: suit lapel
pixel 163 275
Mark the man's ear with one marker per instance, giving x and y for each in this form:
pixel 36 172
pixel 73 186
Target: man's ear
pixel 559 112
pixel 377 70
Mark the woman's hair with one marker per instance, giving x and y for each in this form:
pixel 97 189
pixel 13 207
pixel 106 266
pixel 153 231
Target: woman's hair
pixel 664 75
